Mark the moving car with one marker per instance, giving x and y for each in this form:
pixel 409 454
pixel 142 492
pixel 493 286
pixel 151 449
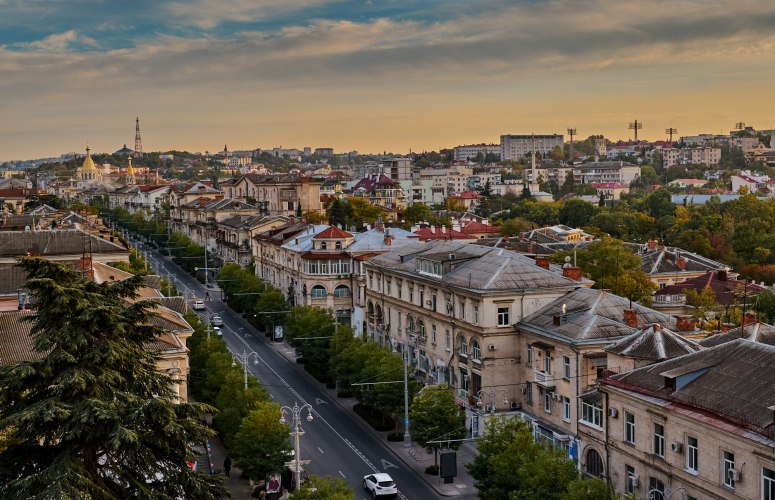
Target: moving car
pixel 218 331
pixel 199 305
pixel 216 320
pixel 380 484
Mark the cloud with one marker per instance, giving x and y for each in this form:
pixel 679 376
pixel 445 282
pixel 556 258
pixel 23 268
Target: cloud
pixel 208 14
pixel 61 42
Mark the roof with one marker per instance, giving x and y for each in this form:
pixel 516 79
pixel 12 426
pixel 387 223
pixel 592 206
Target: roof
pixel 653 343
pixel 592 315
pixel 332 232
pixel 754 332
pixel 474 227
pixel 733 380
pixel 467 195
pixel 53 243
pixel 727 291
pixel 15 341
pixel 662 259
pixel 441 233
pixel 473 267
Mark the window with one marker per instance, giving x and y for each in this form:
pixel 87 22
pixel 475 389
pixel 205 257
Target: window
pixel 463 382
pixel 592 413
pixel 422 297
pixel 476 314
pixel 529 361
pixel 691 454
pixel 409 324
pixel 323 245
pixel 729 464
pixel 566 367
pixel 399 288
pixel 629 428
pixel 462 346
pixel 529 392
pixel 447 340
pixel 768 484
pixel 566 408
pixel 476 353
pixel 433 334
pixel 342 291
pixel 629 487
pixel 421 329
pixel 656 489
pixel 411 293
pixel 433 301
pixel 594 463
pixel 659 440
pixel 421 361
pixel 503 316
pixel 547 401
pixel 462 309
pixel 319 292
pixel 547 361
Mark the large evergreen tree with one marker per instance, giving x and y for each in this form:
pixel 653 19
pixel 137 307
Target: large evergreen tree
pixel 93 418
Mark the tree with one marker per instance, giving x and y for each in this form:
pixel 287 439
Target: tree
pixel 324 488
pixel 93 417
pixel 765 304
pixel 576 213
pixel 511 464
pixel 270 309
pixel 604 261
pixel 636 286
pixel 434 415
pixel 262 444
pixel 703 301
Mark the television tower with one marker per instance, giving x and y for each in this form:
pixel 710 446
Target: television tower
pixel 670 131
pixel 138 143
pixel 636 125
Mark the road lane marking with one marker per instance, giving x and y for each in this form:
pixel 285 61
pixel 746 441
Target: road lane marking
pixel 342 474
pixel 319 401
pixel 387 465
pixel 321 451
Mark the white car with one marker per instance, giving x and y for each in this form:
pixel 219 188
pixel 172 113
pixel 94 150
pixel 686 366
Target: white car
pixel 218 331
pixel 216 320
pixel 199 305
pixel 380 484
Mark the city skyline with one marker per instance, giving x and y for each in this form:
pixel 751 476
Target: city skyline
pixel 374 76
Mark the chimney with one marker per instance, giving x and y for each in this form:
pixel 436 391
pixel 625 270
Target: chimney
pixel 685 323
pixel 433 229
pixel 380 226
pixel 721 274
pixel 531 248
pixel 631 318
pixel 680 263
pixel 557 319
pixel 388 240
pixel 573 273
pixel 652 244
pixel 542 262
pixel 750 318
pixel 656 327
pixel 443 229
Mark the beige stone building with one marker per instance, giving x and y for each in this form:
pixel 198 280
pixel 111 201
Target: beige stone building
pixel 286 195
pixel 453 307
pixel 701 426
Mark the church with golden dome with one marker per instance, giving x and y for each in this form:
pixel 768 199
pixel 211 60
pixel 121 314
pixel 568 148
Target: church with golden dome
pixel 88 175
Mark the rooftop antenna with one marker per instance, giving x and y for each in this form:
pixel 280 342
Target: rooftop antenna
pixel 670 131
pixel 636 125
pixel 739 125
pixel 571 133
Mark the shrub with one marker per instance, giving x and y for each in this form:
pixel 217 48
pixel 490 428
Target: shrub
pixel 395 437
pixel 432 470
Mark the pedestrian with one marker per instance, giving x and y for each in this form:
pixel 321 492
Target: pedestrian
pixel 207 295
pixel 227 466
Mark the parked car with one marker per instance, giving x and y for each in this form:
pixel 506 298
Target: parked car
pixel 380 485
pixel 216 320
pixel 199 305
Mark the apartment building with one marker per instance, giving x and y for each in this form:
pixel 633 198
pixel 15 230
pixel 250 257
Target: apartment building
pixel 233 236
pixel 398 169
pixel 514 147
pixel 620 172
pixel 382 191
pixel 708 156
pixel 285 195
pixel 186 192
pixel 199 219
pixel 452 308
pixel 700 425
pixel 469 152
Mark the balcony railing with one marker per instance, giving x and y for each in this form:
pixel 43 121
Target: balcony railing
pixel 543 379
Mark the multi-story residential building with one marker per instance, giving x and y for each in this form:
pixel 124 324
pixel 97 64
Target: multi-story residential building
pixel 134 197
pixel 398 169
pixel 610 191
pixel 181 193
pixel 453 307
pixel 286 195
pixel 700 425
pixel 380 190
pixel 703 155
pixel 752 181
pixel 667 266
pixel 514 147
pixel 233 236
pixel 727 290
pixel 469 152
pixel 620 172
pixel 199 218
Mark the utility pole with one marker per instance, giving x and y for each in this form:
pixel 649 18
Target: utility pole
pixel 571 133
pixel 636 125
pixel 670 131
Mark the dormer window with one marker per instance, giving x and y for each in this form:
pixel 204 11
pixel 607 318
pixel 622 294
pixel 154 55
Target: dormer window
pixel 338 245
pixel 323 245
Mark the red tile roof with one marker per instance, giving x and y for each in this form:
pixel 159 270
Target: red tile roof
pixel 332 232
pixel 477 227
pixel 467 195
pixel 426 234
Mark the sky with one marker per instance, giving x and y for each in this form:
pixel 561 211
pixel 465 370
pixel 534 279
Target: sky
pixel 375 75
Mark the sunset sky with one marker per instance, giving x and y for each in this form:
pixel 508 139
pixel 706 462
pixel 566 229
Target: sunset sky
pixel 375 75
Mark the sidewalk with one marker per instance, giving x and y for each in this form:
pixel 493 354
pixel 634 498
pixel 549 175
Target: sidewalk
pixel 414 457
pixel 240 488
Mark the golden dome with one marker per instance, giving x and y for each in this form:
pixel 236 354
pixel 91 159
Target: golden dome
pixel 130 172
pixel 88 163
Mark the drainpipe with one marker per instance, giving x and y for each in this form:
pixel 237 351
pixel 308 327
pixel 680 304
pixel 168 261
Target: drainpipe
pixel 607 448
pixel 576 425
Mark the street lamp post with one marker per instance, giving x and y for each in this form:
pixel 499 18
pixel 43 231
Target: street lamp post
pixel 297 433
pixel 244 358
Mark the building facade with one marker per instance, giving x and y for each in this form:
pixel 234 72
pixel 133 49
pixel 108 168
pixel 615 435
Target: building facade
pixel 514 147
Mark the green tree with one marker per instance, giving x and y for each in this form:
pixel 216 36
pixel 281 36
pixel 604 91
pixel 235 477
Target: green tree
pixel 576 213
pixel 636 286
pixel 434 415
pixel 271 309
pixel 93 417
pixel 765 304
pixel 703 301
pixel 510 463
pixel 262 444
pixel 324 488
pixel 604 261
pixel 588 489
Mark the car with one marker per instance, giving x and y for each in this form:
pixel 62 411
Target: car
pixel 380 484
pixel 216 320
pixel 199 305
pixel 218 331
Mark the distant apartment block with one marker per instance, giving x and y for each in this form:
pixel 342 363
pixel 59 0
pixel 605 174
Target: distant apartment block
pixel 620 172
pixel 701 155
pixel 470 151
pixel 398 169
pixel 324 151
pixel 514 147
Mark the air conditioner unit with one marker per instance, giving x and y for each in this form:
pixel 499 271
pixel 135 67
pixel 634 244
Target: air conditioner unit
pixel 516 405
pixel 676 447
pixel 613 412
pixel 734 474
pixel 557 397
pixel 523 390
pixel 492 347
pixel 635 482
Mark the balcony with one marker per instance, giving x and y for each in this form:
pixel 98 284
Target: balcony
pixel 543 379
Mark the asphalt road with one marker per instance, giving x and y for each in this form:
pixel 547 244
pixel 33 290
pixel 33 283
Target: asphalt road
pixel 335 441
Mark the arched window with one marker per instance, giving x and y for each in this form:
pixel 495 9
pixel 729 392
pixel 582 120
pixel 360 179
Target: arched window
pixel 594 463
pixel 476 351
pixel 462 346
pixel 319 292
pixel 420 328
pixel 342 291
pixel 338 245
pixel 323 245
pixel 409 324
